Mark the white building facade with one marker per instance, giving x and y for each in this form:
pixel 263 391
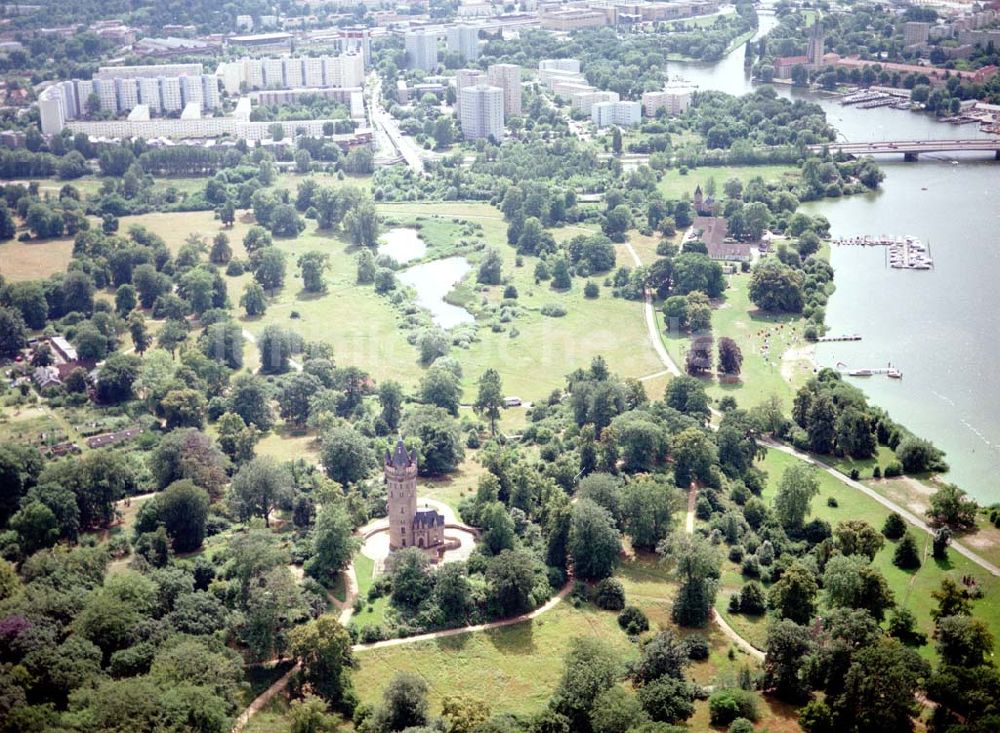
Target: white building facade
pixel 481 112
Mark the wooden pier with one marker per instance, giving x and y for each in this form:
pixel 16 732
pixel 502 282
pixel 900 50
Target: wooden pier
pixel 842 337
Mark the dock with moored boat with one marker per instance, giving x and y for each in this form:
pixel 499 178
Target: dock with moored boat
pixel 888 371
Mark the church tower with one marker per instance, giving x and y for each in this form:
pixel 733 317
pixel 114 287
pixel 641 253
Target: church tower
pixel 401 489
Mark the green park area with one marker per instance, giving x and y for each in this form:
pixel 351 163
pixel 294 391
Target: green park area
pixel 838 502
pixel 678 183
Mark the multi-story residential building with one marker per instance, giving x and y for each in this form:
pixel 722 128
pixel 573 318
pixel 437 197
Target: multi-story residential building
pixel 312 72
pixel 508 78
pixel 481 112
pixel 468 78
pixel 623 114
pixel 674 100
pixel 128 92
pixel 170 93
pixel 584 101
pixel 192 90
pixel 571 65
pixel 150 71
pixel 346 70
pixel 464 40
pixel 566 89
pixel 211 99
pixel 107 95
pixel 421 50
pixel 293 72
pixel 149 94
pixel 273 73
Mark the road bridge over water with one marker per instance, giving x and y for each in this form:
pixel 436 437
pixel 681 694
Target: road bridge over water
pixel 910 149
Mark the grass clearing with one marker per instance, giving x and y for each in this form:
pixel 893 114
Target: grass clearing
pixel 34 260
pixel 675 185
pixel 515 667
pixel 776 356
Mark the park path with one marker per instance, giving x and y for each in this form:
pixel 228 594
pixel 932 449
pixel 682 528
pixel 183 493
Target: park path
pixel 716 617
pixel 258 703
pixel 345 616
pixel 445 633
pixel 650 316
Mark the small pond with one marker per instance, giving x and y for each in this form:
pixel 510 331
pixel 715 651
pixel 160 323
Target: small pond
pixel 433 281
pixel 403 244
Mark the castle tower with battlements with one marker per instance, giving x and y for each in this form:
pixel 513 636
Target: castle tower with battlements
pixel 408 526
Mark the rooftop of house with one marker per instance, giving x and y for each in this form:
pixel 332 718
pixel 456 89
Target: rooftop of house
pixel 428 518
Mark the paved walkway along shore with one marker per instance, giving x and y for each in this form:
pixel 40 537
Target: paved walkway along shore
pixel 887 503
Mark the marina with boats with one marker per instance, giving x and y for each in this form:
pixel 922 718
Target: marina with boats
pixel 903 253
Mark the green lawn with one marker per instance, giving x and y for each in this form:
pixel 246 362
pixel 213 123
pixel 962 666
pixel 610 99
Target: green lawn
pixel 912 588
pixel 776 357
pixel 516 668
pixel 674 185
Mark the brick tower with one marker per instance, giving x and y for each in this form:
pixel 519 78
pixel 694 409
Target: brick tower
pixel 401 487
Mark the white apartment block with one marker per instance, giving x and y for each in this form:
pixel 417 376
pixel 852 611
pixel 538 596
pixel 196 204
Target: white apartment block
pixel 274 73
pixel 346 70
pixel 421 50
pixel 481 112
pixel 192 90
pixel 210 92
pixel 312 72
pixel 52 110
pixel 293 73
pixel 548 77
pixel 567 89
pixel 571 65
pixel 468 78
pixel 149 94
pixel 84 88
pixel 204 128
pixel 623 114
pixel 170 93
pixel 128 93
pixel 106 94
pixel 584 101
pixel 508 78
pixel 464 39
pixel 151 71
pixel 674 100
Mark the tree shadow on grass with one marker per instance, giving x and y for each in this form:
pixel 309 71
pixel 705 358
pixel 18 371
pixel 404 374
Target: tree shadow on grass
pixel 455 643
pixel 514 639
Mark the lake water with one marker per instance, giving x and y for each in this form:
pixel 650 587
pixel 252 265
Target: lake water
pixel 432 281
pixel 402 244
pixel 939 327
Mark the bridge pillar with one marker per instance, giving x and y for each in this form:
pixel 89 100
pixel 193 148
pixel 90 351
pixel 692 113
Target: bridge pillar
pixel 996 155
pixel 910 157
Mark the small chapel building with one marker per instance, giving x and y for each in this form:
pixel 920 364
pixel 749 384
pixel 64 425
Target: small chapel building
pixel 408 526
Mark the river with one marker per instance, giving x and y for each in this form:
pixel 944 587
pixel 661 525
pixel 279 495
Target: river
pixel 938 327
